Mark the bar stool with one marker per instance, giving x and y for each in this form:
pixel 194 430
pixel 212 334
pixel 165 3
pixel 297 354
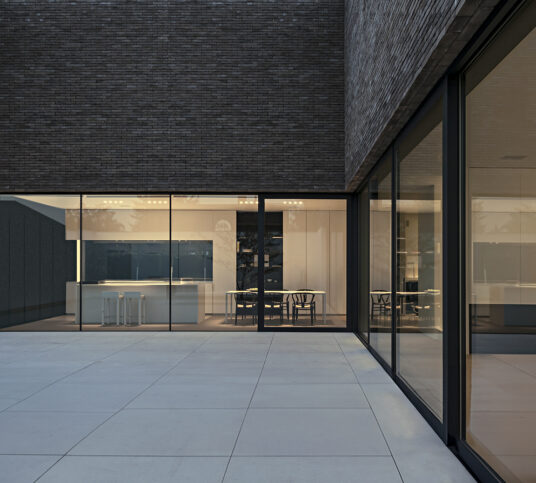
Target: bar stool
pixel 131 300
pixel 111 308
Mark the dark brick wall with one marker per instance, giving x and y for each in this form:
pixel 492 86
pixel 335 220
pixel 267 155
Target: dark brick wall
pixel 178 95
pixel 396 51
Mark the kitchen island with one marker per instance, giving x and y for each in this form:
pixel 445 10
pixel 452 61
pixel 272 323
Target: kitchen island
pixel 187 300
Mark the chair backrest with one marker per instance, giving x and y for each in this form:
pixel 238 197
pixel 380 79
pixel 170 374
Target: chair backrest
pixel 132 295
pixel 303 298
pixel 376 298
pixel 385 298
pixel 110 295
pixel 245 298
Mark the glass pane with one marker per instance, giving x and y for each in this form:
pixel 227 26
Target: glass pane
pixel 305 263
pixel 39 242
pixel 501 251
pixel 380 306
pixel 419 267
pixel 214 250
pixel 125 262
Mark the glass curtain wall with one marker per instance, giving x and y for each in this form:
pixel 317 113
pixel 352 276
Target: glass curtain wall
pixel 125 262
pixel 214 262
pixel 500 151
pixel 305 263
pixel 419 259
pixel 39 241
pixel 380 303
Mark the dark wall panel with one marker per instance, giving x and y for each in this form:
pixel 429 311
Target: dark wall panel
pixel 46 267
pixel 35 263
pixel 4 263
pixel 31 266
pixel 16 266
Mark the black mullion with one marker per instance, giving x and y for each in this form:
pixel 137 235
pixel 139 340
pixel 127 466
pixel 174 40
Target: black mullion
pixel 351 251
pixel 80 264
pixel 260 264
pixel 394 259
pixel 451 262
pixel 463 247
pixel 452 273
pixel 170 259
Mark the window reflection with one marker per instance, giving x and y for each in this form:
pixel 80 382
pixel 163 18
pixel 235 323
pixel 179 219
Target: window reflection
pixel 419 262
pixel 214 245
pixel 501 251
pixel 305 263
pixel 125 262
pixel 380 305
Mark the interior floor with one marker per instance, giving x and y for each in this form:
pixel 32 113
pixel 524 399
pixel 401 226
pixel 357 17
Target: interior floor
pixel 211 322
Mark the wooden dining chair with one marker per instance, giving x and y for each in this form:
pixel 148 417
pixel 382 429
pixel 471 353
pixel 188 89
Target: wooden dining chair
pixel 303 302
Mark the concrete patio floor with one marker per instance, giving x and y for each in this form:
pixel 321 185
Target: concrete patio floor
pixel 208 407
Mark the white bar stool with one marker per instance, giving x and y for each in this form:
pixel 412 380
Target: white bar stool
pixel 111 308
pixel 131 300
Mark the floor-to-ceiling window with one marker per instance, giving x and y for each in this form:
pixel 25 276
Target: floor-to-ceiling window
pixel 214 262
pixel 419 258
pixel 170 262
pixel 39 240
pixel 304 262
pixel 125 262
pixel 380 303
pixel 500 151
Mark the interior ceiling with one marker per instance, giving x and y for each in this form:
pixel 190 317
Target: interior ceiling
pixel 422 167
pixel 183 202
pixel 501 112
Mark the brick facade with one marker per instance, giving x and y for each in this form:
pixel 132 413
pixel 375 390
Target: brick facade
pixel 158 95
pixel 215 95
pixel 395 53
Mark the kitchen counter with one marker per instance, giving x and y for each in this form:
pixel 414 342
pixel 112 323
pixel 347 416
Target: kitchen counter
pixel 187 300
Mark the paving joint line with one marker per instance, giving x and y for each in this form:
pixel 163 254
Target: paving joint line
pixel 372 410
pixel 124 406
pixel 247 409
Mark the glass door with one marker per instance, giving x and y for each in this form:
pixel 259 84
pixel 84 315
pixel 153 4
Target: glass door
pixel 304 263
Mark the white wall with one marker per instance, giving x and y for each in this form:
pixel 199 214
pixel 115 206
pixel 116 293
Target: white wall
pixel 503 202
pixel 380 249
pixel 314 254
